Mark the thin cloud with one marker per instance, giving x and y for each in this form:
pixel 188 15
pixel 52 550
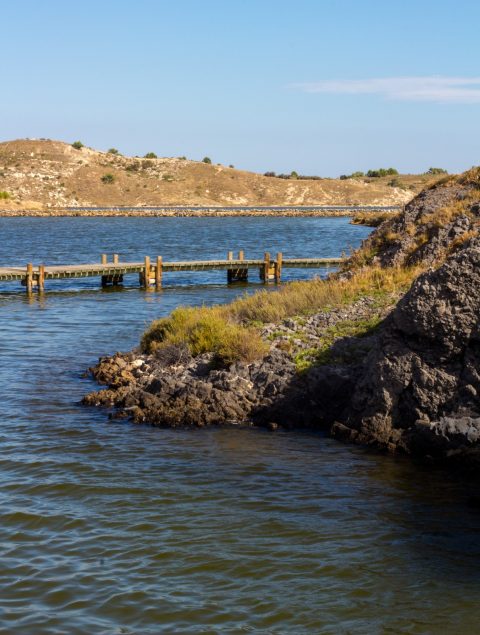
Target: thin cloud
pixel 460 90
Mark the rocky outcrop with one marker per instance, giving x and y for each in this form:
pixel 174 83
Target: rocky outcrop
pixel 434 221
pixel 412 385
pixel 419 388
pixel 170 388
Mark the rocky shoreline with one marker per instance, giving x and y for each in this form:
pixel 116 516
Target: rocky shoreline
pixel 409 384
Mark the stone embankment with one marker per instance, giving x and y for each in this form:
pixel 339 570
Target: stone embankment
pixel 179 213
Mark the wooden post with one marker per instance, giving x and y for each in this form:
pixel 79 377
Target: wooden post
pixel 146 273
pixel 241 255
pixel 278 268
pixel 115 259
pixel 230 271
pixel 104 259
pixel 266 267
pixel 41 278
pixel 29 278
pixel 158 273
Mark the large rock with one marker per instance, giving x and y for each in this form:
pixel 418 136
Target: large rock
pixel 424 369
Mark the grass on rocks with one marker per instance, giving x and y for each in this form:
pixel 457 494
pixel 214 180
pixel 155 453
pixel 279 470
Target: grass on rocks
pixel 231 331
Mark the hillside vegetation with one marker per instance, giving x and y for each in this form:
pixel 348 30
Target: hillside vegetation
pixel 44 174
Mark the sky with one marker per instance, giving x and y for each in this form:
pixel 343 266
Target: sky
pixel 323 87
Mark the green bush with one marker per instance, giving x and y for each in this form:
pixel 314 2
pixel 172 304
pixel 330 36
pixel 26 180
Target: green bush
pixel 293 174
pixel 204 330
pixel 436 171
pixel 382 172
pixel 4 195
pixel 150 155
pixel 78 145
pixel 108 178
pixel 113 151
pixel 207 160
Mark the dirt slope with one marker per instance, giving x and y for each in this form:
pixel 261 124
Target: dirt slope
pixel 39 174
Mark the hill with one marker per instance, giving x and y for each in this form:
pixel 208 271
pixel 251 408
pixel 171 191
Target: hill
pixel 44 174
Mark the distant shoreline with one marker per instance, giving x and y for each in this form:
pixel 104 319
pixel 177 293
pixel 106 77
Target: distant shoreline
pixel 201 212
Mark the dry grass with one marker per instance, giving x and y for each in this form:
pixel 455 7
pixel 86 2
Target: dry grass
pixel 459 241
pixel 371 219
pixel 445 215
pixel 230 331
pixel 205 330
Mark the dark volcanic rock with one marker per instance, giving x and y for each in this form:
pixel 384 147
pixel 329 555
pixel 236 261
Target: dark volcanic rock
pixel 422 376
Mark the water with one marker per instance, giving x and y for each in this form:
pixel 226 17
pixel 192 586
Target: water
pixel 116 528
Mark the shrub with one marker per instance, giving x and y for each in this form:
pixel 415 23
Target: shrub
pixel 269 174
pixel 293 174
pixel 78 145
pixel 182 158
pixel 132 167
pixel 4 195
pixel 150 155
pixel 204 330
pixel 230 331
pixel 206 160
pixel 382 172
pixel 108 178
pixel 231 166
pixel 113 151
pixel 436 171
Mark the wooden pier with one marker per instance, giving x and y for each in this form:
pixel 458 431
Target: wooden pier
pixel 150 271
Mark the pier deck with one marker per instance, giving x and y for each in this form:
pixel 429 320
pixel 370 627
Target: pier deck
pixel 150 272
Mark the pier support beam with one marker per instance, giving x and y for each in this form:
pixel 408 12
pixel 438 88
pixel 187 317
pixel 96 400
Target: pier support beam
pixel 239 274
pixel 267 270
pixel 145 276
pixel 158 273
pixel 112 279
pixel 29 278
pixel 278 268
pixel 41 278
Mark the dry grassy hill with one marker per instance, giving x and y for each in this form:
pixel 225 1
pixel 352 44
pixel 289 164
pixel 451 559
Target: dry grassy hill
pixel 40 174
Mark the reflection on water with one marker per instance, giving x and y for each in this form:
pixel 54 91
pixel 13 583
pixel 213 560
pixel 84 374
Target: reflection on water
pixel 115 528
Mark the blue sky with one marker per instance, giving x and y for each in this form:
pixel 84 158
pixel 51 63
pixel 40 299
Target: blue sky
pixel 322 87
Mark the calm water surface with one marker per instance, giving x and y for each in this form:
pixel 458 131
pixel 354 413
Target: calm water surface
pixel 115 528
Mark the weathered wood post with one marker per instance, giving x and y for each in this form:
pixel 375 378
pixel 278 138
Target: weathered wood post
pixel 265 269
pixel 29 278
pixel 229 271
pixel 146 273
pixel 158 273
pixel 104 259
pixel 41 278
pixel 278 267
pixel 115 259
